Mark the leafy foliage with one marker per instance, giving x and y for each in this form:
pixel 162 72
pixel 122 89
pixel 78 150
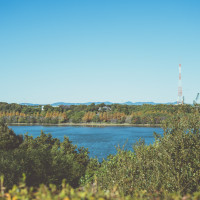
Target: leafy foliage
pixel 43 159
pixel 88 192
pixel 171 164
pixel 101 113
pixel 8 139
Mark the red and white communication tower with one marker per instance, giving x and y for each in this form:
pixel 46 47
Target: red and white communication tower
pixel 180 92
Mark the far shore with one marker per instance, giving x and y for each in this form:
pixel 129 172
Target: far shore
pixel 84 124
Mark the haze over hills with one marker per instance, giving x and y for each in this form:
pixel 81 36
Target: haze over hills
pixel 105 102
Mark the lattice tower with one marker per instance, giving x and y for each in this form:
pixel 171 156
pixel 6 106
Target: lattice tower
pixel 180 92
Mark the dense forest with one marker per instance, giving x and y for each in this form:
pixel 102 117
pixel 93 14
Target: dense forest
pixel 101 113
pixel 167 169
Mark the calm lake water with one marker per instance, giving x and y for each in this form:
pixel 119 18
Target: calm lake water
pixel 100 141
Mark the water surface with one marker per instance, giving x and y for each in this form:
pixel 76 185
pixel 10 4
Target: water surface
pixel 100 141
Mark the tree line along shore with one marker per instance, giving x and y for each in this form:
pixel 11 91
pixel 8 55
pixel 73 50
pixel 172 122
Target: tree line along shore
pixel 91 115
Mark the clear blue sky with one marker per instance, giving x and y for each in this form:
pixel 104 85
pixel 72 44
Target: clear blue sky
pixel 98 50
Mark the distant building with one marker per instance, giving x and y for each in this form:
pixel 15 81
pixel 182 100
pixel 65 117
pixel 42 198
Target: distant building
pixel 105 108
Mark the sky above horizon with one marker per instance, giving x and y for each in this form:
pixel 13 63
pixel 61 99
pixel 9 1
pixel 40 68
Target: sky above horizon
pixel 82 51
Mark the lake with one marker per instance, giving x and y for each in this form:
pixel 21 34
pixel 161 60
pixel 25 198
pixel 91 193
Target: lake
pixel 100 141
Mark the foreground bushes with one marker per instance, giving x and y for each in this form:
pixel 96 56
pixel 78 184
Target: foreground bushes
pixel 89 192
pixel 171 164
pixel 43 159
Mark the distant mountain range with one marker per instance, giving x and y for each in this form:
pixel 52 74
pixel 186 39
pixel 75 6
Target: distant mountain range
pixel 106 102
pixel 30 104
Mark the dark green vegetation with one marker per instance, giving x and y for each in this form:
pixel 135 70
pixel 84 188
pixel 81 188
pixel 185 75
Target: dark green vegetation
pixel 168 169
pixel 43 159
pixel 101 113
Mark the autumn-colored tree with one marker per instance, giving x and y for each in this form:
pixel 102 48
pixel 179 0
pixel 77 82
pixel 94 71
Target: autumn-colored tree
pixel 105 117
pixel 48 114
pixel 88 116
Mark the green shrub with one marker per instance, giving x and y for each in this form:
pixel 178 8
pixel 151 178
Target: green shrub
pixel 43 159
pixel 8 139
pixel 171 164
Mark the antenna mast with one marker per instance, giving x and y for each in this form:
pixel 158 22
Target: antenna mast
pixel 180 98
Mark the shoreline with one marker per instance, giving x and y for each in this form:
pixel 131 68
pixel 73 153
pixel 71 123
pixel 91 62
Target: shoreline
pixel 85 124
